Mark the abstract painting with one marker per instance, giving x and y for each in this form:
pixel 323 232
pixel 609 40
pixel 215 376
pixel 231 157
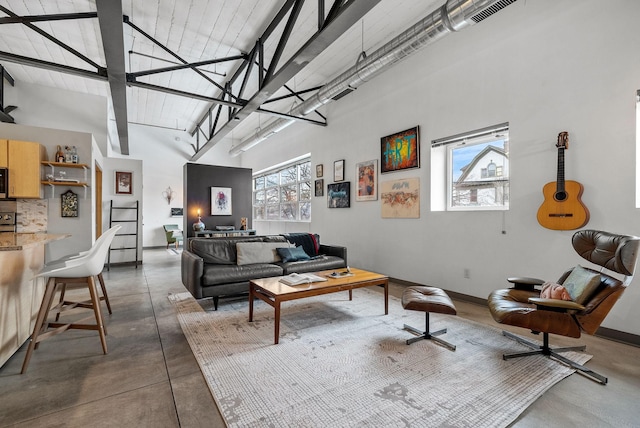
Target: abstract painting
pixel 400 151
pixel 220 201
pixel 400 198
pixel 367 177
pixel 339 195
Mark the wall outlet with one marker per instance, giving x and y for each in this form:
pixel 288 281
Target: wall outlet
pixel 467 273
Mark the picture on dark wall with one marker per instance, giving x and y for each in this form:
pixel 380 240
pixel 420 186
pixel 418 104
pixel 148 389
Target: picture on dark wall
pixel 339 195
pixel 319 187
pixel 124 183
pixel 367 177
pixel 400 151
pixel 220 201
pixel 69 204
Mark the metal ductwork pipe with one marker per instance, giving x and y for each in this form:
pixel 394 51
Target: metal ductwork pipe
pixel 454 15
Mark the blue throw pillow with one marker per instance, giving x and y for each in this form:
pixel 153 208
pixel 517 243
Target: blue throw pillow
pixel 292 254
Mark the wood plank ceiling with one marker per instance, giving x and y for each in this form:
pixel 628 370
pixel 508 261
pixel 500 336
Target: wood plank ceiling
pixel 168 33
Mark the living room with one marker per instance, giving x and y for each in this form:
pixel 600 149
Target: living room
pixel 544 67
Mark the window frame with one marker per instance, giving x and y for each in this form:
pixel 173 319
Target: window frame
pixel 469 139
pixel 302 200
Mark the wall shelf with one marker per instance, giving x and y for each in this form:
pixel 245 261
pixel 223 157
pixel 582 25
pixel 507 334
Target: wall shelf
pixel 53 183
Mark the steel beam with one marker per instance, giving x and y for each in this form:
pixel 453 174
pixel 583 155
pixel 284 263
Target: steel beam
pixel 184 93
pixel 112 32
pixel 101 74
pixel 343 19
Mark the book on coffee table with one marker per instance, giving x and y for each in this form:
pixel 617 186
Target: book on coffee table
pixel 301 278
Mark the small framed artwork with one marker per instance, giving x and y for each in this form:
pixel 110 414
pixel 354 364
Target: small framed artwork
pixel 338 170
pixel 367 177
pixel 319 187
pixel 400 151
pixel 221 201
pixel 319 170
pixel 124 182
pixel 69 204
pixel 176 212
pixel 339 195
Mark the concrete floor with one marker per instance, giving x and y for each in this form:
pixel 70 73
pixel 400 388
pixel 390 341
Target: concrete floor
pixel 150 378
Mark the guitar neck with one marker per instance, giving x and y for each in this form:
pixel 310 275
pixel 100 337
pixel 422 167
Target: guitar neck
pixel 560 180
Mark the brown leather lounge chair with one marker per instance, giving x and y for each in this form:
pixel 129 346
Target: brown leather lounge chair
pixel 593 293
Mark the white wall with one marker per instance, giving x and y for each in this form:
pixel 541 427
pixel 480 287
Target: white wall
pixel 545 66
pixel 55 108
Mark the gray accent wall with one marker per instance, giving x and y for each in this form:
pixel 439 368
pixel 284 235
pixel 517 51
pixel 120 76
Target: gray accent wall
pixel 198 180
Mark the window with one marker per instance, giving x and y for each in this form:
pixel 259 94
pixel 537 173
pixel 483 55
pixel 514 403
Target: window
pixel 283 193
pixel 476 169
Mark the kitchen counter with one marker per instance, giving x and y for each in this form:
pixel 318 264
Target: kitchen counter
pixel 10 241
pixel 21 259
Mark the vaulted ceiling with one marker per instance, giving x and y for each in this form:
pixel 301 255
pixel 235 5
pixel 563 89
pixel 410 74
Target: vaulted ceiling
pixel 209 67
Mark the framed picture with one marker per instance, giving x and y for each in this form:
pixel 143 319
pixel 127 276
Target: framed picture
pixel 400 151
pixel 367 178
pixel 176 212
pixel 319 170
pixel 124 183
pixel 338 170
pixel 221 201
pixel 319 187
pixel 400 198
pixel 339 195
pixel 69 204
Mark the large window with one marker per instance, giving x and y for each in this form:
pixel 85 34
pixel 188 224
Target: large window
pixel 477 168
pixel 283 193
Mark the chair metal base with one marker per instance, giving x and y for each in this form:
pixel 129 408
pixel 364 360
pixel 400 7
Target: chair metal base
pixel 428 335
pixel 544 349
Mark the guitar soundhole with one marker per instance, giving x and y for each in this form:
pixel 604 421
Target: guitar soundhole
pixel 561 196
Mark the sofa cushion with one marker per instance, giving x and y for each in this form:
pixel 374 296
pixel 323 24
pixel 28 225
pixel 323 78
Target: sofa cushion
pixel 258 252
pixel 292 254
pixel 225 274
pixel 313 265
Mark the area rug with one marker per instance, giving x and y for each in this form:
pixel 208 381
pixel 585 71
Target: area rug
pixel 343 363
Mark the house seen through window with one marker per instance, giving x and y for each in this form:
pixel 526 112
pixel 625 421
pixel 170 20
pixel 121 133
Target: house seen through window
pixel 283 193
pixel 475 165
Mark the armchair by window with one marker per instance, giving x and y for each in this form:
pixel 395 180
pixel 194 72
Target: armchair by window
pixel 173 233
pixel 592 292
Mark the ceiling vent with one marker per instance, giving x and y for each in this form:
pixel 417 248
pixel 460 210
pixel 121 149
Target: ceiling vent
pixel 347 91
pixel 491 10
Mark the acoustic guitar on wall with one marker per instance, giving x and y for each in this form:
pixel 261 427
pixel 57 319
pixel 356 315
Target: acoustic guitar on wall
pixel 562 208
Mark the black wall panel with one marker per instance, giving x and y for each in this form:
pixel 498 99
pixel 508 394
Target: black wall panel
pixel 198 180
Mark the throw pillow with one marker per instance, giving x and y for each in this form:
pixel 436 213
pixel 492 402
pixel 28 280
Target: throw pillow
pixel 292 254
pixel 551 290
pixel 258 252
pixel 581 284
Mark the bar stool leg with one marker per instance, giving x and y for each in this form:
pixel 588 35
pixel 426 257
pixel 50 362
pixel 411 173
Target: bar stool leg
pixel 95 299
pixel 47 300
pixel 104 293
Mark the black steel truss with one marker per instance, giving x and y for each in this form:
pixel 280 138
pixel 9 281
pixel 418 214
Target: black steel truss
pixel 270 74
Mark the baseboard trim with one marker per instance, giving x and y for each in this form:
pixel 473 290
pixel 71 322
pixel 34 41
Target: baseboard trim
pixel 604 332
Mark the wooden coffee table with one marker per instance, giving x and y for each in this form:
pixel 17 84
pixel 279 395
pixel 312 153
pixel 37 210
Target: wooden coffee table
pixel 273 292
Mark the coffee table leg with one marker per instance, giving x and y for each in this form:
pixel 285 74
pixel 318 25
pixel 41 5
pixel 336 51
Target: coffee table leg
pixel 386 297
pixel 250 302
pixel 277 322
pixel 350 294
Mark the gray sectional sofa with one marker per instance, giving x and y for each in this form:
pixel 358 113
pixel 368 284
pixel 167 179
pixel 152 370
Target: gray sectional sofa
pixel 218 267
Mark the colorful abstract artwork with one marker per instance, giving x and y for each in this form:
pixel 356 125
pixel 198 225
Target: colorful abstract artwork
pixel 220 201
pixel 367 176
pixel 400 198
pixel 400 151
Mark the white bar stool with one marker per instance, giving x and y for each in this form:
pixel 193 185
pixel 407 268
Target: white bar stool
pixel 81 269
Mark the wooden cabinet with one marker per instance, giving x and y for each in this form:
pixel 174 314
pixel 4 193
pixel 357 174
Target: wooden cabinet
pixel 23 161
pixel 4 152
